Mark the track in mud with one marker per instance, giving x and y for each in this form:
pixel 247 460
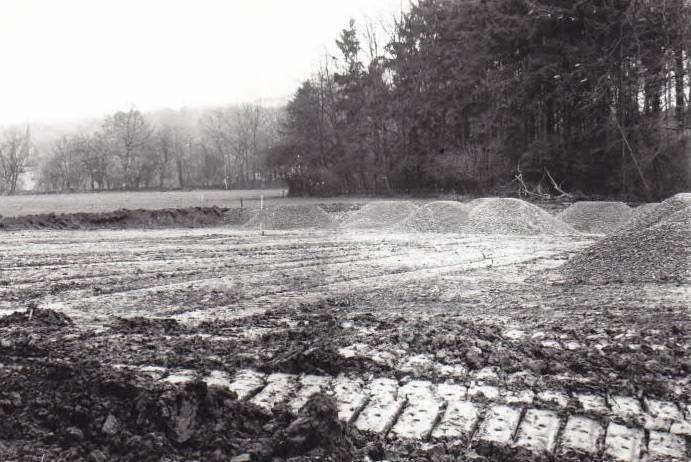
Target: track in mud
pixel 432 347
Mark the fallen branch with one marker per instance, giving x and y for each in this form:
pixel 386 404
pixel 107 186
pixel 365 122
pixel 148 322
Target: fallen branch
pixel 556 186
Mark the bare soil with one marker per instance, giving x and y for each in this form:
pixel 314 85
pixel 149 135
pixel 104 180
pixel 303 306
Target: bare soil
pixel 108 338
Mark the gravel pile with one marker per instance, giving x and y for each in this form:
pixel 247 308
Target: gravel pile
pixel 657 253
pixel 437 217
pixel 512 216
pixel 379 215
pixel 596 217
pixel 653 215
pixel 291 217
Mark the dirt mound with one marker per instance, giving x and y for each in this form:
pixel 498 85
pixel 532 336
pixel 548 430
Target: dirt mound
pixel 291 217
pixel 596 217
pixel 652 215
pixel 512 216
pixel 236 217
pixel 317 433
pixel 140 325
pixel 86 412
pixel 437 217
pixel 36 317
pixel 658 253
pixel 119 219
pixel 379 215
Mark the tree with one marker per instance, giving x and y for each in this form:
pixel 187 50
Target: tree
pixel 15 157
pixel 128 135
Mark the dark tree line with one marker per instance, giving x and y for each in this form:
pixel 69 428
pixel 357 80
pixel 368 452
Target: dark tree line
pixel 472 96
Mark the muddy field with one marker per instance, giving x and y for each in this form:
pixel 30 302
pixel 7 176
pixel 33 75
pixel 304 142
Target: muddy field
pixel 336 344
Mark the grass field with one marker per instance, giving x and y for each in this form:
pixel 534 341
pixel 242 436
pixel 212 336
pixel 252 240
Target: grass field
pixel 30 204
pixel 112 200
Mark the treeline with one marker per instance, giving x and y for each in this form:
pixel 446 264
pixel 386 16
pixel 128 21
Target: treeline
pixel 219 148
pixel 477 96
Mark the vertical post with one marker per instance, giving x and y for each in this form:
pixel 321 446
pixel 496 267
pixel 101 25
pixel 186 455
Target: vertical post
pixel 261 207
pixel 241 202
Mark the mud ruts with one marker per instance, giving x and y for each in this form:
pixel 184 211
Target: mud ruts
pixel 620 428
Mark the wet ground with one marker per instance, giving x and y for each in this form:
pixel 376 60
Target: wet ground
pixel 205 344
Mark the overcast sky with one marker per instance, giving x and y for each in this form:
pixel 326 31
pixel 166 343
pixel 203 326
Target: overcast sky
pixel 67 59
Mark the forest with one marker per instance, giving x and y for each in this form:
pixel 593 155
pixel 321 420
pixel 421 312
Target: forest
pixel 544 97
pixel 541 98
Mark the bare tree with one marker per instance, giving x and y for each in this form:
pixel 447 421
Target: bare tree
pixel 66 165
pixel 129 134
pixel 15 156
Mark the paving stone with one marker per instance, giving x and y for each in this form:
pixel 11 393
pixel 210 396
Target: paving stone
pixel 420 413
pixel 623 443
pixel 487 391
pixel 309 385
pixel 450 392
pixel 278 389
pixel 500 424
pixel 247 382
pixel 519 396
pixel 582 434
pixel 664 446
pixel 681 428
pixel 593 403
pixel 417 364
pixel 382 408
pixel 458 421
pixel 155 372
pixel 523 378
pixel 181 376
pixel 555 397
pixel 661 415
pixel 626 407
pixel 219 379
pixel 350 396
pixel 538 430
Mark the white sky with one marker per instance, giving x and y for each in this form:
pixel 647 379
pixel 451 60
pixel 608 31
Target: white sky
pixel 66 59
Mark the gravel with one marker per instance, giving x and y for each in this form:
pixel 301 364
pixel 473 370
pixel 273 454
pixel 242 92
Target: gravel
pixel 657 253
pixel 291 217
pixel 379 215
pixel 437 217
pixel 512 216
pixel 596 217
pixel 656 214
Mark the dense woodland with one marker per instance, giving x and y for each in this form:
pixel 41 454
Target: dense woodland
pixel 462 96
pixel 586 96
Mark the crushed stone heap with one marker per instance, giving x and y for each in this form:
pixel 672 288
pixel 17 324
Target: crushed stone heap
pixel 380 215
pixel 512 216
pixel 596 217
pixel 659 252
pixel 438 217
pixel 653 215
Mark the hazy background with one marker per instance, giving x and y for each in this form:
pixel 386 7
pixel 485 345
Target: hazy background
pixel 73 59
